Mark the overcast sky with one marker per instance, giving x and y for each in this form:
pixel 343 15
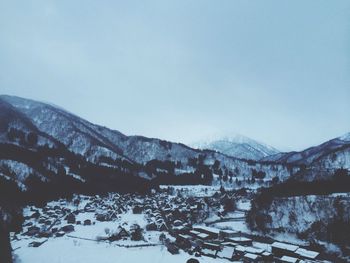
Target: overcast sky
pixel 276 71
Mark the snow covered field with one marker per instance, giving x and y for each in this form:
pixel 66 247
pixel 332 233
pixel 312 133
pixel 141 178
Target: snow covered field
pixel 70 250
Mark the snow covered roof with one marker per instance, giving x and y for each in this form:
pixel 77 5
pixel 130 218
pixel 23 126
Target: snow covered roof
pixel 240 239
pixel 202 235
pixel 226 252
pixel 185 236
pixel 232 244
pixel 254 250
pixel 240 249
pixel 207 251
pixel 289 259
pixel 194 232
pixel 251 256
pixel 207 229
pixel 266 254
pixel 284 246
pixel 307 253
pixel 228 231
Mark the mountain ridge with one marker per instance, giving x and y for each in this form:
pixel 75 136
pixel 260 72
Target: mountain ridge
pixel 237 145
pixel 62 147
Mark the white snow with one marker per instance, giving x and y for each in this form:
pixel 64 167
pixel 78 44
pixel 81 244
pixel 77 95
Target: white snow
pixel 71 250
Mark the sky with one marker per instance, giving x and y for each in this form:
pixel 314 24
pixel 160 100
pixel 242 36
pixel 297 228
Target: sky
pixel 183 70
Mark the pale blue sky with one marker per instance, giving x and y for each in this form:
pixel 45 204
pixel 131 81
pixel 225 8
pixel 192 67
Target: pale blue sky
pixel 276 71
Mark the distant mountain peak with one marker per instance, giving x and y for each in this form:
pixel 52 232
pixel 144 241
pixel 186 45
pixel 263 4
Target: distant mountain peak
pixel 345 137
pixel 236 145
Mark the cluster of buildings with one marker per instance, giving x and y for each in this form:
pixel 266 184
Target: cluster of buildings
pixel 181 217
pixel 233 245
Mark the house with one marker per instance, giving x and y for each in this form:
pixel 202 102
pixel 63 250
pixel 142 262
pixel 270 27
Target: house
pixel 137 209
pixel 203 236
pixel 45 234
pixel 177 223
pixel 283 249
pixel 70 218
pixel 36 243
pixel 159 221
pixel 229 244
pixel 209 252
pixel 306 254
pixel 228 233
pixel 212 232
pixel 101 217
pixel 267 256
pixel 194 233
pixel 183 241
pixel 226 252
pixel 32 231
pixel 162 227
pixel 254 250
pixel 121 233
pixel 244 241
pixel 172 248
pixel 67 228
pixel 87 222
pixel 181 229
pixel 151 227
pixel 240 250
pixel 60 233
pixel 212 246
pixel 249 257
pixel 288 259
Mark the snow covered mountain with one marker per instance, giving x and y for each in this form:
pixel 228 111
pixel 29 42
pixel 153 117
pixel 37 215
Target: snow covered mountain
pixel 313 154
pixel 94 141
pixel 49 144
pixel 237 146
pixel 49 141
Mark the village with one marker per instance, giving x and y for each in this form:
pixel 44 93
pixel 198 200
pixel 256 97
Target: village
pixel 205 225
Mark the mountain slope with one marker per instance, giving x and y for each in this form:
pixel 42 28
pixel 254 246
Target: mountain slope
pixel 78 135
pixel 110 148
pixel 94 141
pixel 313 153
pixel 237 146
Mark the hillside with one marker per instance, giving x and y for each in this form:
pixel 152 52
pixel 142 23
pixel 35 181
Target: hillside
pixel 151 159
pixel 312 154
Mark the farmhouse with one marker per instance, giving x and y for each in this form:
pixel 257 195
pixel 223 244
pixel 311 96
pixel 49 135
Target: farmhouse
pixel 254 250
pixel 282 249
pixel 212 232
pixel 267 256
pixel 212 246
pixel 287 259
pixel 240 250
pixel 209 252
pixel 244 241
pixel 228 233
pixel 203 236
pixel 183 241
pixel 249 257
pixel 226 252
pixel 306 254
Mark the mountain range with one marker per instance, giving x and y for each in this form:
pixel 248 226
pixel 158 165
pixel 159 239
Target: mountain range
pixel 42 144
pixel 238 146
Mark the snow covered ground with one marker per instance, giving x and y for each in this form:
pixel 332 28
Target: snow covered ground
pixel 244 205
pixel 81 245
pixel 70 250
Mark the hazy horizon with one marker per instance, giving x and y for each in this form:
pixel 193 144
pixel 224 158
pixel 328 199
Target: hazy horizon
pixel 277 72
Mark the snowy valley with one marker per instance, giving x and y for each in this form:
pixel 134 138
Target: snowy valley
pixel 93 194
